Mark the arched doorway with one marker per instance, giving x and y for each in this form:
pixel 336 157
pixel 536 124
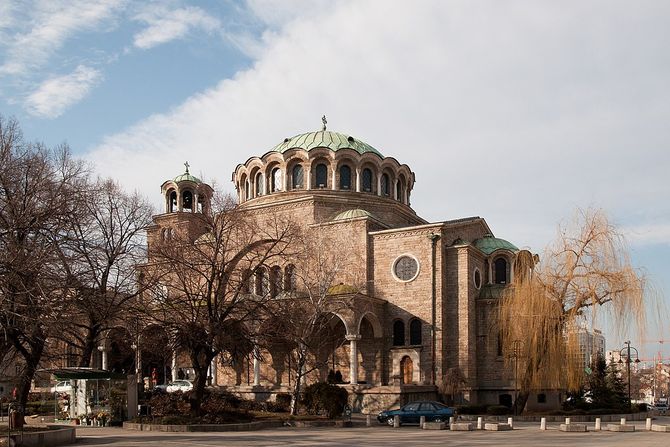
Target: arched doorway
pixel 406 370
pixel 121 353
pixel 156 363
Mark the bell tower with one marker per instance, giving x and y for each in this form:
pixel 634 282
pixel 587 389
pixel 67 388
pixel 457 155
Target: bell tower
pixel 187 206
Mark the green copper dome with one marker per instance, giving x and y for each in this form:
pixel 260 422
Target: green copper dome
pixel 488 244
pixel 352 214
pixel 188 177
pixel 325 138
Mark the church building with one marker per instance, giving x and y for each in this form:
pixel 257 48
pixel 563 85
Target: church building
pixel 426 312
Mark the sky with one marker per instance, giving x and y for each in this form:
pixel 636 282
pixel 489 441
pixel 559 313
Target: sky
pixel 516 111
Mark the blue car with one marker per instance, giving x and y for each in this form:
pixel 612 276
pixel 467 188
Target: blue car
pixel 412 412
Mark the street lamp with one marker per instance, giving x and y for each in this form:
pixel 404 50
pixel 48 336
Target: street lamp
pixel 516 353
pixel 628 348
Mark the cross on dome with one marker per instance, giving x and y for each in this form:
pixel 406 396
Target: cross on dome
pixel 187 166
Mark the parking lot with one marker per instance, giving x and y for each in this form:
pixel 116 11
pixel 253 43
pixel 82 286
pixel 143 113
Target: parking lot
pixel 377 435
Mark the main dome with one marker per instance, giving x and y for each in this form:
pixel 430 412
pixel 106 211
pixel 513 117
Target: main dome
pixel 324 138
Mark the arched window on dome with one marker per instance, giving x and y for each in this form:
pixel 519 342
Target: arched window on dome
pixel 400 190
pixel 368 180
pixel 172 202
pixel 345 177
pixel 247 190
pixel 259 185
pixel 321 175
pixel 398 333
pixel 187 201
pixel 500 268
pixel 415 332
pixel 385 184
pixel 276 180
pixel 297 180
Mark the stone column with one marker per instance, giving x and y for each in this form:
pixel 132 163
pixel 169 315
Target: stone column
pixel 213 368
pixel 358 179
pixel 257 368
pixel 173 366
pixel 379 184
pixel 334 185
pixel 353 358
pixel 104 359
pixel 308 176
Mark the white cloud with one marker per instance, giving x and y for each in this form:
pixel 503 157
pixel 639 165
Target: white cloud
pixel 167 25
pixel 55 95
pixel 517 112
pixel 49 24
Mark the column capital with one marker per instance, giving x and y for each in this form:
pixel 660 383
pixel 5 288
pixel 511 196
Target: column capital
pixel 352 337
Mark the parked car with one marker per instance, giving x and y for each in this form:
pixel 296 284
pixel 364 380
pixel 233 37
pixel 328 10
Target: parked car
pixel 62 387
pixel 179 385
pixel 661 407
pixel 412 412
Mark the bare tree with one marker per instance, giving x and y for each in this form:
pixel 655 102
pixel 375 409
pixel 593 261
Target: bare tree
pixel 585 271
pixel 100 253
pixel 303 320
pixel 38 191
pixel 202 295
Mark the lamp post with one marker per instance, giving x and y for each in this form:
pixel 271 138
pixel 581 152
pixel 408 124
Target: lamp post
pixel 516 353
pixel 628 348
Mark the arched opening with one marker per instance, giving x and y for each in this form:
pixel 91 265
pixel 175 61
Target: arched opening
pixel 500 267
pixel 505 400
pixel 385 185
pixel 187 201
pixel 415 332
pixel 398 333
pixel 289 278
pixel 297 177
pixel 400 190
pixel 262 287
pixel 345 177
pixel 406 370
pixel 276 180
pixel 172 201
pixel 367 180
pixel 259 185
pixel 321 175
pixel 246 286
pixel 121 356
pixel 275 281
pixel 156 363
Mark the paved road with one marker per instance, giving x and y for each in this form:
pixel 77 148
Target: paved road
pixel 524 434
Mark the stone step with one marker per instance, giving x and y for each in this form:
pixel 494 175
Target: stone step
pixel 621 427
pixel 461 426
pixel 497 427
pixel 573 427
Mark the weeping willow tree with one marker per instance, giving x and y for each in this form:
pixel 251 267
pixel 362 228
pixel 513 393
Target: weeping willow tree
pixel 585 272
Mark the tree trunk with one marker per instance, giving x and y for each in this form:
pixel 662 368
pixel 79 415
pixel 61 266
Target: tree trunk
pixel 200 381
pixel 520 402
pixel 32 358
pixel 295 398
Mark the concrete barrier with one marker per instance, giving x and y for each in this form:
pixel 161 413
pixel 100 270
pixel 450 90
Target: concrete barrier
pixel 647 424
pixel 51 437
pixel 368 420
pixel 621 427
pixel 461 426
pixel 396 421
pixel 422 420
pixel 480 422
pixel 661 428
pixel 434 426
pixel 497 427
pixel 597 424
pixel 543 424
pixel 573 427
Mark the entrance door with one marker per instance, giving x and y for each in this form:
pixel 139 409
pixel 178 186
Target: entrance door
pixel 406 370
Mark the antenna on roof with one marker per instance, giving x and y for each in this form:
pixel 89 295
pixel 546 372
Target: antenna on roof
pixel 324 121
